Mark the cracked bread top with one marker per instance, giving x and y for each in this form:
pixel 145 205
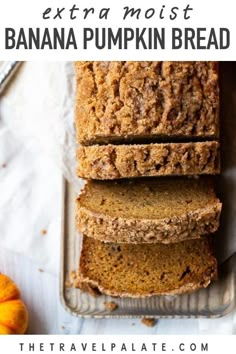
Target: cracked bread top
pixel 128 161
pixel 119 101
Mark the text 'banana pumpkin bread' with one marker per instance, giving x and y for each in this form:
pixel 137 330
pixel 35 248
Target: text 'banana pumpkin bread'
pixel 148 210
pixel 127 161
pixel 120 101
pixel 128 270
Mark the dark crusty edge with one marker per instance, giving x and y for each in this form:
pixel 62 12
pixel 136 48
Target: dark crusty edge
pixel 190 225
pixel 100 138
pixel 126 161
pixel 94 288
pixel 90 286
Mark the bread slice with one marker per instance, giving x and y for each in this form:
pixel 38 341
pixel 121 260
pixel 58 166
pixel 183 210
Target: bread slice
pixel 122 101
pixel 148 210
pixel 125 161
pixel 128 270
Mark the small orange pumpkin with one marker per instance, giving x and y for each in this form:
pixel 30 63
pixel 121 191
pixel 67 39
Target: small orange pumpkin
pixel 13 313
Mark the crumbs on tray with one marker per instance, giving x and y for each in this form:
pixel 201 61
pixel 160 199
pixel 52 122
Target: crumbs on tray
pixel 149 322
pixel 111 305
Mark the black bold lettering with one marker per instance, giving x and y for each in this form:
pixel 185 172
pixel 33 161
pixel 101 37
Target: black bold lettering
pixel 10 41
pixel 181 347
pixel 46 40
pixel 200 38
pixel 62 347
pixel 73 348
pixel 159 38
pixel 176 38
pixel 128 36
pixel 102 43
pixel 88 36
pixel 224 38
pixel 21 346
pixel 21 41
pixel 193 347
pixel 212 41
pixel 113 345
pixel 204 347
pixel 189 36
pixel 34 38
pixel 84 346
pixel 139 38
pixel 71 41
pixel 114 39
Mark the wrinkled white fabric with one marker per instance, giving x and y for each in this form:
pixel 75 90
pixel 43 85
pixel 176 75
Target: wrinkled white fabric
pixel 36 133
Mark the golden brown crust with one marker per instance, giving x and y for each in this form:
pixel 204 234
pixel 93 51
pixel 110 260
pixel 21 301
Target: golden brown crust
pixel 125 161
pixel 191 225
pixel 169 269
pixel 149 210
pixel 188 288
pixel 86 287
pixel 126 100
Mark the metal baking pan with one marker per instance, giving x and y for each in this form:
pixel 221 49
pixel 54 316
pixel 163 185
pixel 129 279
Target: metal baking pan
pixel 215 301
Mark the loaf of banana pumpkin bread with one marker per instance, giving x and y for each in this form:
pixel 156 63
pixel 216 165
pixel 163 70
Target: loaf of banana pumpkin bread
pixel 125 161
pixel 148 210
pixel 145 270
pixel 124 101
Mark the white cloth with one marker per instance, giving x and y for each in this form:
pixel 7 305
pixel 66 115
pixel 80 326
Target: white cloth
pixel 36 128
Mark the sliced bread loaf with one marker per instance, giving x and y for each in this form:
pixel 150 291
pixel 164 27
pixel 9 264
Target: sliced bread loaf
pixel 123 101
pixel 125 161
pixel 145 270
pixel 148 210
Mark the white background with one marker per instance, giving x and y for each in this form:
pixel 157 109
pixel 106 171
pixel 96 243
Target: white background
pixel 206 14
pixel 40 289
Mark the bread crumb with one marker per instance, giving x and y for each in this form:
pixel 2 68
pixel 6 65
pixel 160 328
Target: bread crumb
pixel 93 291
pixel 149 322
pixel 62 327
pixel 86 288
pixel 111 306
pixel 68 284
pixel 40 270
pixel 44 232
pixel 73 274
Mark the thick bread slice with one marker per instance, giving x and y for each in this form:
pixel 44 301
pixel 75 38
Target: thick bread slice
pixel 145 270
pixel 126 161
pixel 148 210
pixel 122 101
